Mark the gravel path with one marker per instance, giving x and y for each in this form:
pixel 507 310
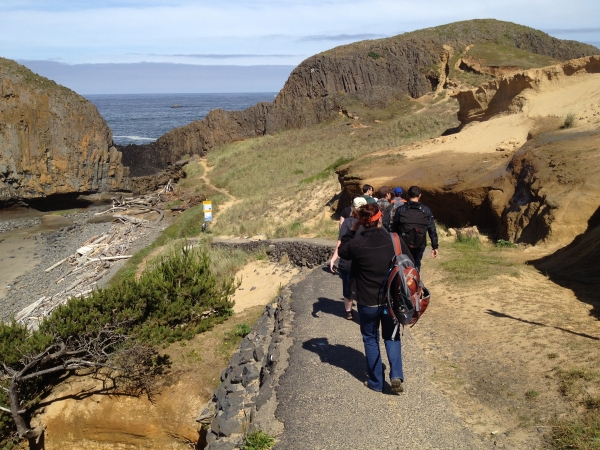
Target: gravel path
pixel 51 247
pixel 322 400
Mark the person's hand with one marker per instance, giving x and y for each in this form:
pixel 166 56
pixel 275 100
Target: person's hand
pixel 434 252
pixel 332 267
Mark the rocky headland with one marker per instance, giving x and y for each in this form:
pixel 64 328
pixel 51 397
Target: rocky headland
pixel 52 140
pixel 371 72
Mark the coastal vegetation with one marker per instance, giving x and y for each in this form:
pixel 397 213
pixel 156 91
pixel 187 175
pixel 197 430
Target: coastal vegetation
pixel 114 333
pixel 298 162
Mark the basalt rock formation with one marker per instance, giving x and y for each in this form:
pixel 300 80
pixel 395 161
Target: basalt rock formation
pixel 371 72
pixel 52 141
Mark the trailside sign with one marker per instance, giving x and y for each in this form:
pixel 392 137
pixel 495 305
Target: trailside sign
pixel 207 206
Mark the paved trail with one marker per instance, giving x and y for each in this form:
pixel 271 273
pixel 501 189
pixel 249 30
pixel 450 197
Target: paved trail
pixel 323 402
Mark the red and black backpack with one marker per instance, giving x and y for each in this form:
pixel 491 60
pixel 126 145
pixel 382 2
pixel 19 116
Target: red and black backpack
pixel 403 291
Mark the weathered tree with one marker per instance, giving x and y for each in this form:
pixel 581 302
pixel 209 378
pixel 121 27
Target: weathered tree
pixel 106 352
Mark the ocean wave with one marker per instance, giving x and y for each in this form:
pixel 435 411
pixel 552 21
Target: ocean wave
pixel 135 138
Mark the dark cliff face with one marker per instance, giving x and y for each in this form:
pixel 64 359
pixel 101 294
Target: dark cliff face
pixel 372 72
pixel 52 141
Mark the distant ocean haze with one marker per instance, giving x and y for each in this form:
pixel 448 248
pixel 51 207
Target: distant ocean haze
pixel 143 118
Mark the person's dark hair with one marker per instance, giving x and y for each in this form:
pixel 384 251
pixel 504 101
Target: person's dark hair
pixel 366 187
pixel 383 191
pixel 413 192
pixel 364 214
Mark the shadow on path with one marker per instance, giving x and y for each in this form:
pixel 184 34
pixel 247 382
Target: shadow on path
pixel 506 316
pixel 338 355
pixel 329 306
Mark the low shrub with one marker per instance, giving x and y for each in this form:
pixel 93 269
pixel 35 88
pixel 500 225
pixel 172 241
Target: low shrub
pixel 505 244
pixel 570 121
pixel 258 440
pixel 174 299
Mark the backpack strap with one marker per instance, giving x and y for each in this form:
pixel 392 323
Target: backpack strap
pixel 397 245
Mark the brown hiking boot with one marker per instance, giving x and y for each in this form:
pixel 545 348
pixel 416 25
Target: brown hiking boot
pixel 397 385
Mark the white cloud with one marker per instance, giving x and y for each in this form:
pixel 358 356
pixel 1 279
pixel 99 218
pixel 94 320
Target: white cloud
pixel 137 30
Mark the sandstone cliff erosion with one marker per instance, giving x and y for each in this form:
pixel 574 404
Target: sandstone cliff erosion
pixel 52 140
pixel 513 167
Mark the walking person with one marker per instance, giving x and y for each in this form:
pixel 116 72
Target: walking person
pixel 384 201
pixel 344 266
pixel 371 250
pixel 413 221
pixel 368 193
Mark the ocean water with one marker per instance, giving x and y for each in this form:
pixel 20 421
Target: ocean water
pixel 142 118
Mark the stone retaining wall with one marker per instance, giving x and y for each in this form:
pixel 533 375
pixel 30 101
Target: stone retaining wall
pixel 303 253
pixel 244 401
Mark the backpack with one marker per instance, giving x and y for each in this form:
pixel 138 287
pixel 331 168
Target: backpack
pixel 406 296
pixel 413 224
pixel 386 217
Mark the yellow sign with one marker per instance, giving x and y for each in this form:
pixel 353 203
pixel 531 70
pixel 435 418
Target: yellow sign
pixel 207 205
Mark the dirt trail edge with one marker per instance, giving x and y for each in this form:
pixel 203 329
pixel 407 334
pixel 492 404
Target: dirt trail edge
pixel 228 204
pixel 321 398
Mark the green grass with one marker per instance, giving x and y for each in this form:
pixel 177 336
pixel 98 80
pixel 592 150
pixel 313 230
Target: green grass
pixel 258 440
pixel 472 261
pixel 507 55
pixel 582 433
pixel 296 161
pixel 501 243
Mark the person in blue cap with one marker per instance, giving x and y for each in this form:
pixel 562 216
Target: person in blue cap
pixel 397 201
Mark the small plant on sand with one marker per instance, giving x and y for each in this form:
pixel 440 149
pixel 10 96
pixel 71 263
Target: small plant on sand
pixel 374 55
pixel 530 395
pixel 570 120
pixel 258 440
pixel 242 330
pixel 505 244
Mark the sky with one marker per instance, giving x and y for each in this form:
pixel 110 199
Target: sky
pixel 262 33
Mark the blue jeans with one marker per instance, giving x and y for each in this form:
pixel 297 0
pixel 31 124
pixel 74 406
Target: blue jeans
pixel 370 318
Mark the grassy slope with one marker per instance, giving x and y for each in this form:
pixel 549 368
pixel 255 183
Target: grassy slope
pixel 461 34
pixel 269 171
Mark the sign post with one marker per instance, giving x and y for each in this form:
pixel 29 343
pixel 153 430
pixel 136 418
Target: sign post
pixel 207 207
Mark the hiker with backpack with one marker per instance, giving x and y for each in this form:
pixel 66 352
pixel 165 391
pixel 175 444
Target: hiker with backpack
pixel 371 251
pixel 413 221
pixel 344 266
pixel 385 206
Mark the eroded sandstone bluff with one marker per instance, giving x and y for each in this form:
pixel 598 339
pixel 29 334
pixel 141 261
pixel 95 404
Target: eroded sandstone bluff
pixel 373 72
pixel 52 140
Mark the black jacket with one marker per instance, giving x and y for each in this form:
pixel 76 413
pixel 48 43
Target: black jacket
pixel 430 226
pixel 371 253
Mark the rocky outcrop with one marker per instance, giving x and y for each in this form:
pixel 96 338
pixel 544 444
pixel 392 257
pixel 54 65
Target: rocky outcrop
pixel 503 94
pixel 371 72
pixel 52 141
pixel 514 168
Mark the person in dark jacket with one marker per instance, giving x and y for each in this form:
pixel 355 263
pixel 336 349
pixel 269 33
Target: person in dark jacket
pixel 371 251
pixel 414 197
pixel 344 267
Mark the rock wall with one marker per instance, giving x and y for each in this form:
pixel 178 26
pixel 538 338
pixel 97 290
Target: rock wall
pixel 243 402
pixel 300 252
pixel 52 141
pixel 373 72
